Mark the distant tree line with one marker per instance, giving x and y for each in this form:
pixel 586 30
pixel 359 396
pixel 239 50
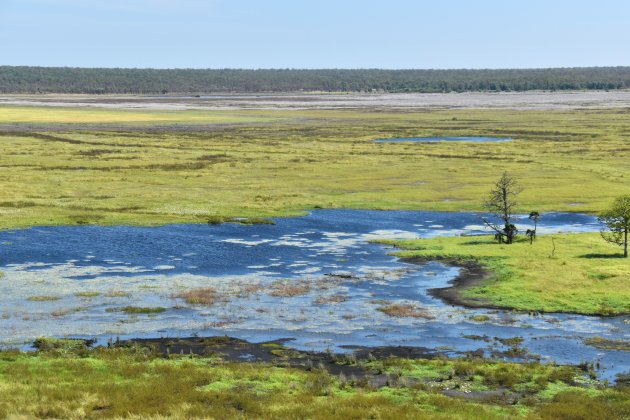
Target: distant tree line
pixel 15 79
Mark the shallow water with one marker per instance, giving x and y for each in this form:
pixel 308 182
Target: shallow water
pixel 327 252
pixel 439 139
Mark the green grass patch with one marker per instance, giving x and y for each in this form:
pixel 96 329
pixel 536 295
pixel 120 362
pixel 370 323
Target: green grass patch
pixel 607 344
pixel 528 277
pixel 479 318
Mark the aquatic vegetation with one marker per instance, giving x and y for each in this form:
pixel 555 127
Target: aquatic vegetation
pixel 512 341
pixel 117 293
pixel 608 344
pixel 87 294
pixel 138 310
pixel 65 344
pixel 289 288
pixel 204 296
pixel 405 311
pixel 479 318
pixel 325 300
pixel 43 298
pixel 67 311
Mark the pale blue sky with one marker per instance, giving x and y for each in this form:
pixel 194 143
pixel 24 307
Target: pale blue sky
pixel 315 34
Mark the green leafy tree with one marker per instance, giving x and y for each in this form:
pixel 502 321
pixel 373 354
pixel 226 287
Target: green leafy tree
pixel 616 221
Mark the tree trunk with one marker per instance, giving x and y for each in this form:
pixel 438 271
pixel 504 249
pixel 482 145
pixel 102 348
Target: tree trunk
pixel 625 242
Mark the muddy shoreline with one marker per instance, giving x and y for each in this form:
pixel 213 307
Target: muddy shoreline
pixel 277 353
pixel 472 273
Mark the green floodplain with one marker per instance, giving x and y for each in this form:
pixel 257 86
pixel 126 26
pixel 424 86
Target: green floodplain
pixel 68 166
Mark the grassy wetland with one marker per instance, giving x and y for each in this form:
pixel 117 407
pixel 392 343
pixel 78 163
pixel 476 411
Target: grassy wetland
pixel 576 273
pixel 75 165
pixel 64 379
pixel 155 167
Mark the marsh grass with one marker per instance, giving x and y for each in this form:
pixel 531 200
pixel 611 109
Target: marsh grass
pixel 43 298
pixel 203 296
pixel 567 160
pixel 138 310
pixel 87 294
pixel 73 381
pixel 405 311
pixel 289 288
pixel 524 277
pixel 479 318
pixel 607 344
pixel 326 300
pixel 117 293
pixel 66 344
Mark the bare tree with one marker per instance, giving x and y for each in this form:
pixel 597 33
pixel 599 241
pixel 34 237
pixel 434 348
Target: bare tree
pixel 501 202
pixel 616 221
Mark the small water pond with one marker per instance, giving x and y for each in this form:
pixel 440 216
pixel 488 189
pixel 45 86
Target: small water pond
pixel 440 139
pixel 316 280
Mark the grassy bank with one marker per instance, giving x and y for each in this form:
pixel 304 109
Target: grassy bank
pixel 70 381
pixel 104 166
pixel 584 274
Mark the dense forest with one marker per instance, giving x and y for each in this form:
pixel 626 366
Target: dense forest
pixel 154 81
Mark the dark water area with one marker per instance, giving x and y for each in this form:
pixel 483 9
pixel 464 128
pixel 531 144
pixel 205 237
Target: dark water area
pixel 83 275
pixel 441 139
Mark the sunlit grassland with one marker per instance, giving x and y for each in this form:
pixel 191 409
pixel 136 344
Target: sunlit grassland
pixel 98 383
pixel 85 115
pixel 583 274
pixel 297 160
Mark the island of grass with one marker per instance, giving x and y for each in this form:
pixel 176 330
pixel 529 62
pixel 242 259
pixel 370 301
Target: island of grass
pixel 574 273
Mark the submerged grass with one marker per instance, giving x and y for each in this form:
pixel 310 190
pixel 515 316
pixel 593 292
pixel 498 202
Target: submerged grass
pixel 203 296
pixel 43 298
pixel 289 288
pixel 138 310
pixel 532 277
pixel 405 311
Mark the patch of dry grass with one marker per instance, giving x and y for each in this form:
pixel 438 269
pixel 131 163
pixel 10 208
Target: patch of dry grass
pixel 289 288
pixel 324 300
pixel 204 296
pixel 405 311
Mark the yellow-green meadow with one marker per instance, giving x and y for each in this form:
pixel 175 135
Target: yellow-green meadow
pixel 155 167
